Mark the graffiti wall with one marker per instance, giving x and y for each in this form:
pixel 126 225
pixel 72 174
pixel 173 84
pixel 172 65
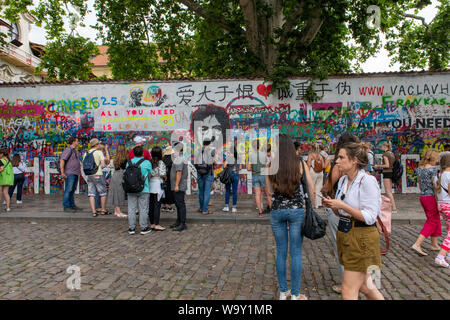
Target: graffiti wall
pixel 410 109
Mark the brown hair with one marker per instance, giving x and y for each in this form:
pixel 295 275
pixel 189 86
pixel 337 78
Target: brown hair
pixel 358 151
pixel 15 160
pixel 315 147
pixel 388 145
pixel 444 164
pixel 121 156
pixel 287 178
pixel 429 157
pixel 5 152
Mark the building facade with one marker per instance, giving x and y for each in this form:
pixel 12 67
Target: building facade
pixel 19 57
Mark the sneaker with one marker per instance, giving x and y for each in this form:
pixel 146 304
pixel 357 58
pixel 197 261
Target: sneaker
pixel 69 210
pixel 233 209
pixel 131 231
pixel 180 228
pixel 176 224
pixel 226 209
pixel 19 202
pixel 77 208
pixel 8 210
pixel 261 215
pixel 146 230
pixel 285 295
pixel 299 297
pixel 441 262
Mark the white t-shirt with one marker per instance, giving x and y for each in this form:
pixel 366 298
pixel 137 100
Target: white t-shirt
pixel 363 194
pixel 443 195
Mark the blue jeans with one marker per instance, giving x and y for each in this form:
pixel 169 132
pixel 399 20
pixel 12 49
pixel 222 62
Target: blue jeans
pixel 69 191
pixel 204 190
pixel 279 220
pixel 234 183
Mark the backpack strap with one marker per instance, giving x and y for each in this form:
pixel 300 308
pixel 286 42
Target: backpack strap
pixel 140 161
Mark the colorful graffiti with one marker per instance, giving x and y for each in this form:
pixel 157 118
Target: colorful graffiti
pixel 412 111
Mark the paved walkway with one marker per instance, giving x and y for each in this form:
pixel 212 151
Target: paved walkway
pixel 207 261
pixel 49 208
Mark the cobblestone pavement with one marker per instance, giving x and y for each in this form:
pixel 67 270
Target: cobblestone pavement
pixel 210 261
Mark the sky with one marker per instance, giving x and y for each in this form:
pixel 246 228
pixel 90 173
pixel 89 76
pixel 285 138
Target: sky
pixel 379 63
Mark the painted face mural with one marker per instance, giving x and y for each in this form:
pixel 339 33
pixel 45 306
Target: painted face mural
pixel 410 110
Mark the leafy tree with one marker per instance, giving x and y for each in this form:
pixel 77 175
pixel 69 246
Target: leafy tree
pixel 270 38
pixel 68 59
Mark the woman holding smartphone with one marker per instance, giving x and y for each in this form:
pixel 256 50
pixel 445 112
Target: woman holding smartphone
pixel 358 203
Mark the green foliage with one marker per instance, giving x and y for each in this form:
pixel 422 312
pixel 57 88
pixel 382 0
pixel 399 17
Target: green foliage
pixel 207 38
pixel 68 59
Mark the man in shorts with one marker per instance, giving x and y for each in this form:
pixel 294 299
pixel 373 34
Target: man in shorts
pixel 96 181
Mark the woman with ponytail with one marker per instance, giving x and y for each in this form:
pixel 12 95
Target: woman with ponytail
pixel 426 172
pixel 357 203
pixel 442 185
pixel 387 166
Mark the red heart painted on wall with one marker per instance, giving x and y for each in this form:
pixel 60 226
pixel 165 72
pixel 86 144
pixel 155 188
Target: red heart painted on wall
pixel 264 90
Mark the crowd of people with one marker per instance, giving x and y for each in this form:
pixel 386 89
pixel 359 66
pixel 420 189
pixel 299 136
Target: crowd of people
pixel 344 184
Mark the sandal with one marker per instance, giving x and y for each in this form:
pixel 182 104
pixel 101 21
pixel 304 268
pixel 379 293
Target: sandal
pixel 206 213
pixel 94 214
pixel 159 229
pixel 336 289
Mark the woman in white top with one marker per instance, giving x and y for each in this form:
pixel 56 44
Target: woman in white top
pixel 19 177
pixel 358 203
pixel 156 188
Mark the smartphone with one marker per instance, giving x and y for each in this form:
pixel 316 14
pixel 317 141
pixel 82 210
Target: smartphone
pixel 321 196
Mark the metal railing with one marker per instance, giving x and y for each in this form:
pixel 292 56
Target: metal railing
pixel 25 57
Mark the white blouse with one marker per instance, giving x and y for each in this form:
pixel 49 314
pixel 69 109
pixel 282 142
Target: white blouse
pixel 363 194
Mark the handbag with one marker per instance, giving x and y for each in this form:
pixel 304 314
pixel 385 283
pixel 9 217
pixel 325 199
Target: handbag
pixel 314 227
pixel 225 175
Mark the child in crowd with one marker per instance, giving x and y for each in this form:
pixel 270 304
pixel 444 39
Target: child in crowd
pixel 442 184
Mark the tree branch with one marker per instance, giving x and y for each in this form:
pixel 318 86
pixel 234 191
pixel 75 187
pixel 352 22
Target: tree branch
pixel 413 16
pixel 251 24
pixel 309 32
pixel 202 12
pixel 291 20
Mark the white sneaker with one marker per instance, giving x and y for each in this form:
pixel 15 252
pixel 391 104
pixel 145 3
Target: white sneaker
pixel 299 297
pixel 441 262
pixel 285 295
pixel 19 202
pixel 233 209
pixel 226 209
pixel 8 210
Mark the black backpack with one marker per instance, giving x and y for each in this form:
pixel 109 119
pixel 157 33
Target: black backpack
pixel 133 181
pixel 203 168
pixel 89 165
pixel 397 171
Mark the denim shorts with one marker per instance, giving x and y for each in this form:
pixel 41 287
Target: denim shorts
pixel 96 183
pixel 259 181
